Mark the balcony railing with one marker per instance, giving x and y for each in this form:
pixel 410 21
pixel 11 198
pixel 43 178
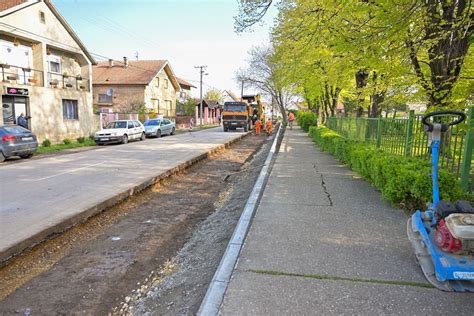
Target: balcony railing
pixel 21 75
pixel 64 81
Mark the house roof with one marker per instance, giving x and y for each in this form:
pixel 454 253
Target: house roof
pixel 7 4
pixel 139 72
pixel 10 4
pixel 209 104
pixel 184 83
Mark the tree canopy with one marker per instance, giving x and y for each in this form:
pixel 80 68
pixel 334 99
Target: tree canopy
pixel 375 54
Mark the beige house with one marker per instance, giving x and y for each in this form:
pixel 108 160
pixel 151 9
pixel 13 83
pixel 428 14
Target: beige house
pixel 185 90
pixel 131 86
pixel 45 71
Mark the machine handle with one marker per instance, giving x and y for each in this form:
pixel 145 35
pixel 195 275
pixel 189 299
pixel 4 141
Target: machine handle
pixel 462 117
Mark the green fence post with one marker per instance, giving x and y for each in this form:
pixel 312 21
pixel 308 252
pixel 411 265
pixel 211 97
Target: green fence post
pixel 379 132
pixel 467 155
pixel 409 138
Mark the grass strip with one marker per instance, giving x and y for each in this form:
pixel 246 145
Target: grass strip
pixel 341 278
pixel 59 147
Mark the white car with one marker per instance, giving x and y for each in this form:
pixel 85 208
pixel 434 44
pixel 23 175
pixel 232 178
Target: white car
pixel 120 132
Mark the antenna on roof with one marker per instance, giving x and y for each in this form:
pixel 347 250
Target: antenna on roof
pixel 136 55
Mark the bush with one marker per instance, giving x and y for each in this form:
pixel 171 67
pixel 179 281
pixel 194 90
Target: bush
pixel 46 143
pixel 306 119
pixel 402 180
pixel 81 140
pixel 67 141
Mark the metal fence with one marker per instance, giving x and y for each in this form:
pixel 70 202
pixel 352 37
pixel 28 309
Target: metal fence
pixel 406 136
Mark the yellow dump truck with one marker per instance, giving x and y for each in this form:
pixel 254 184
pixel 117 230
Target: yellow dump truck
pixel 236 115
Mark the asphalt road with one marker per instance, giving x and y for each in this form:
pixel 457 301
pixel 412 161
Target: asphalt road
pixel 42 196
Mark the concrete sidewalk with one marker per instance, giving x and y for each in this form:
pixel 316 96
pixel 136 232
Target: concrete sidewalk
pixel 45 196
pixel 323 242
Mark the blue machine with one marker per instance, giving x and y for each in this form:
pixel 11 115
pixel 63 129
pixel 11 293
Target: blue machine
pixel 443 235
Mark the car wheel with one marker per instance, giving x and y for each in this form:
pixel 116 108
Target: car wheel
pixel 172 131
pixel 246 128
pixel 2 157
pixel 158 134
pixel 124 139
pixel 143 136
pixel 26 156
pixel 225 129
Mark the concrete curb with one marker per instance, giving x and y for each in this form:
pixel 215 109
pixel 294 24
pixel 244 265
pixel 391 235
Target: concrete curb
pixel 50 232
pixel 218 286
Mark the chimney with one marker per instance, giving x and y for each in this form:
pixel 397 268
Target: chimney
pixel 125 62
pixel 111 63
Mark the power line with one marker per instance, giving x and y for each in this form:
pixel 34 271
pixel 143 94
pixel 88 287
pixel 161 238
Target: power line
pixel 95 55
pixel 113 26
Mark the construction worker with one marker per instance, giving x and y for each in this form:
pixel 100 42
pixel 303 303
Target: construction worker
pixel 291 118
pixel 258 126
pixel 269 126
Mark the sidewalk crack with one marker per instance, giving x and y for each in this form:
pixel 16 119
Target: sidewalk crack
pixel 323 184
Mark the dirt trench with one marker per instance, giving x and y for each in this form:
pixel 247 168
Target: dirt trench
pixel 153 254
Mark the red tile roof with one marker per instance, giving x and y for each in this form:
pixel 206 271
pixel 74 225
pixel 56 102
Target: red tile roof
pixel 137 72
pixel 7 4
pixel 183 82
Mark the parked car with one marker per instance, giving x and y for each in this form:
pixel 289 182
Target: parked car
pixel 120 131
pixel 16 141
pixel 158 127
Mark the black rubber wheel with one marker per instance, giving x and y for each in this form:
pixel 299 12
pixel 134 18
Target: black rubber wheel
pixel 226 129
pixel 124 139
pixel 158 134
pixel 2 157
pixel 246 129
pixel 143 136
pixel 172 131
pixel 26 156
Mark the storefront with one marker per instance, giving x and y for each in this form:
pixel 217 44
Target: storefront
pixel 14 102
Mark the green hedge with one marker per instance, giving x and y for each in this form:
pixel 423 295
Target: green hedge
pixel 306 119
pixel 403 181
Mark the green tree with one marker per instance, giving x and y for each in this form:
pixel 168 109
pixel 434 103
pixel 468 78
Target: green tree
pixel 187 108
pixel 410 46
pixel 214 95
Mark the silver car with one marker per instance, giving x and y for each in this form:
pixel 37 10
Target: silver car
pixel 16 141
pixel 158 127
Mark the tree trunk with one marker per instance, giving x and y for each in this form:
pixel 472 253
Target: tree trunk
pixel 361 77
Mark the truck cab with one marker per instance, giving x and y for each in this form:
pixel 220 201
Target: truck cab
pixel 236 115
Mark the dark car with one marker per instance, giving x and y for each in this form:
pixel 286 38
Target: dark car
pixel 16 141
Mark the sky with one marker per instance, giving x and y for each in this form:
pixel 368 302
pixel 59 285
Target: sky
pixel 187 33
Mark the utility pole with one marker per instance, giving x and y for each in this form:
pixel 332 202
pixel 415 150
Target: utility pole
pixel 201 72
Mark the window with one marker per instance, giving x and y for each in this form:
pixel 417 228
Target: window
pixel 70 110
pixel 157 81
pixel 166 83
pixel 42 17
pixel 54 64
pixel 104 98
pixel 136 123
pixel 130 124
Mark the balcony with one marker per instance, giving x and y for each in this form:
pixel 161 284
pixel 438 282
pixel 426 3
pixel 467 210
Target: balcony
pixel 21 75
pixel 65 81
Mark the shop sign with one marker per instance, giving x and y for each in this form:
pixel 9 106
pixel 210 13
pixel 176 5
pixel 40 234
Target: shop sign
pixel 17 91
